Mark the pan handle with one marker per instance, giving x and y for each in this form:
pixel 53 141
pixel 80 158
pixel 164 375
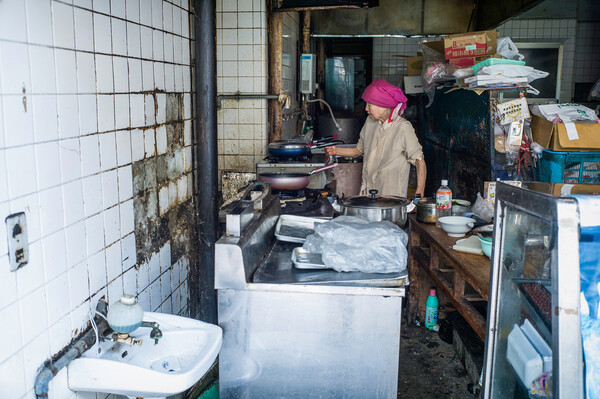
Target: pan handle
pixel 333 165
pixel 247 199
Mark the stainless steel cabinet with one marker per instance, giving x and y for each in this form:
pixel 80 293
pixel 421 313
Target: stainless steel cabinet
pixel 534 295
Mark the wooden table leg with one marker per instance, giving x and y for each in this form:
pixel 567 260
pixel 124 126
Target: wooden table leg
pixel 413 275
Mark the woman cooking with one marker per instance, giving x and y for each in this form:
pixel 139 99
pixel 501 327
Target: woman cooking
pixel 387 142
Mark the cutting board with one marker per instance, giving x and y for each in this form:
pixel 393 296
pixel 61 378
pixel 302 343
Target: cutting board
pixel 470 245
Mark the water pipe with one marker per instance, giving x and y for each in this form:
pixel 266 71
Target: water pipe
pixel 52 366
pixel 339 128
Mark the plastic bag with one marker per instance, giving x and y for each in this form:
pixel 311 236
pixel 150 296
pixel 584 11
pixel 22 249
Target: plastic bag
pixel 513 71
pixel 541 387
pixel 431 59
pixel 595 92
pixel 567 112
pixel 483 208
pixel 507 49
pixel 350 243
pixel 463 73
pixel 589 265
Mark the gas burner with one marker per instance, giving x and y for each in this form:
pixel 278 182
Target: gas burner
pixel 290 194
pixel 307 207
pixel 272 159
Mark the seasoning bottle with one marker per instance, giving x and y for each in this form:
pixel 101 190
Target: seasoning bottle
pixel 431 310
pixel 443 202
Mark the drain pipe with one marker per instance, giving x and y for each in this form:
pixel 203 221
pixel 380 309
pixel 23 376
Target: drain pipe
pixel 52 366
pixel 204 301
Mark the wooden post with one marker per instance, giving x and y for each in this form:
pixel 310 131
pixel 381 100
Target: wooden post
pixel 306 32
pixel 275 78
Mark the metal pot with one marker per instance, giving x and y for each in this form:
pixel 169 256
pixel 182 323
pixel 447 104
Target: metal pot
pixel 290 181
pixel 426 210
pixel 375 208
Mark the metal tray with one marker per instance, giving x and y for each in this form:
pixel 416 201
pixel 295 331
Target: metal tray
pixel 292 228
pixel 307 260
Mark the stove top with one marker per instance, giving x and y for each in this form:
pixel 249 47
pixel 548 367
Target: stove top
pixel 313 160
pixel 313 206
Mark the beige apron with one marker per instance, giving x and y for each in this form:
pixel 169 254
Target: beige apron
pixel 388 151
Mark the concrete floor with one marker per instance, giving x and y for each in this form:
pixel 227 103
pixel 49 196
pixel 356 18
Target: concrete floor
pixel 429 367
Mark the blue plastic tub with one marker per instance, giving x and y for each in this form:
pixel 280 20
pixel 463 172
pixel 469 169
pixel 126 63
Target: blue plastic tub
pixel 568 167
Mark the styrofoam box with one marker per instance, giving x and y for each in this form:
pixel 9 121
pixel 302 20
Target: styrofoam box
pixel 523 357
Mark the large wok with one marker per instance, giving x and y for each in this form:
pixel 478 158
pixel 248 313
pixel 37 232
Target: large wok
pixel 295 148
pixel 290 181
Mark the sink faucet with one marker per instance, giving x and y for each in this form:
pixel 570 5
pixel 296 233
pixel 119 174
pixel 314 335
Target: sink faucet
pixel 155 334
pixel 125 316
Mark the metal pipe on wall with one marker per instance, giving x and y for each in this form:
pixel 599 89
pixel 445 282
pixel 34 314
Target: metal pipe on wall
pixel 203 300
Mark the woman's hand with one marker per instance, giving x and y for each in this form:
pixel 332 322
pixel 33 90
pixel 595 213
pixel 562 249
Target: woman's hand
pixel 330 150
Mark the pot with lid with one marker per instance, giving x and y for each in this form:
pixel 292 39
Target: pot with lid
pixel 426 210
pixel 377 208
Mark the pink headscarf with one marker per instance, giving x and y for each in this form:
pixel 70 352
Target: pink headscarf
pixel 386 95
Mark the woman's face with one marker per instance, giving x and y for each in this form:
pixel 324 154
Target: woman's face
pixel 378 113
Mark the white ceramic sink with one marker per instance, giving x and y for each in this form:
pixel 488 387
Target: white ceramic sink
pixel 180 359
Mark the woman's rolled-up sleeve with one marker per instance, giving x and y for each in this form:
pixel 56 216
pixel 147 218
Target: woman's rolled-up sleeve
pixel 414 151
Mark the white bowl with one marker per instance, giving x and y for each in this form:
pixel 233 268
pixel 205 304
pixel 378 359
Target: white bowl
pixel 456 226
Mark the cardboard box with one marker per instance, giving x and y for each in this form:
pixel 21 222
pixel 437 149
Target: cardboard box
pixel 415 65
pixel 562 189
pixel 471 44
pixel 470 61
pixel 437 45
pixel 413 84
pixel 489 188
pixel 553 136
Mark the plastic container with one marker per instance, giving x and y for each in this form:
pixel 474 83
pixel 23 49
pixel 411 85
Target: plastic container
pixel 494 61
pixel 568 167
pixel 431 310
pixel 486 245
pixel 443 202
pixel 523 357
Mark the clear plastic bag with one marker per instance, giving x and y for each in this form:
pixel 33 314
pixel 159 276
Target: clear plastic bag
pixel 589 266
pixel 350 243
pixel 431 60
pixel 507 49
pixel 541 387
pixel 595 92
pixel 483 208
pixel 513 71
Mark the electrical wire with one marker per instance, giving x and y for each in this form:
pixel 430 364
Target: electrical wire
pixel 339 128
pixel 95 328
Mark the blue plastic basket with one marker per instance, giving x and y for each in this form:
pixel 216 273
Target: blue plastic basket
pixel 568 167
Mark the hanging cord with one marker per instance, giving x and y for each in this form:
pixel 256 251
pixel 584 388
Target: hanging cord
pixel 338 127
pixel 95 327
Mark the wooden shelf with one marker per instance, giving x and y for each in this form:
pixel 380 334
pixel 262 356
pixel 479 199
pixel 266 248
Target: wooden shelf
pixel 430 250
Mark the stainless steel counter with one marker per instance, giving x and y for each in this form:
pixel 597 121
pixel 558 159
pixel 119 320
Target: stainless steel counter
pixel 277 268
pixel 292 333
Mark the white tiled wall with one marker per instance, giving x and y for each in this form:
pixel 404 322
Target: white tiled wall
pixel 242 67
pixel 77 111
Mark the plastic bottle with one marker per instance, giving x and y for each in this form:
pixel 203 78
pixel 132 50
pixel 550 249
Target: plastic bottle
pixel 443 202
pixel 431 310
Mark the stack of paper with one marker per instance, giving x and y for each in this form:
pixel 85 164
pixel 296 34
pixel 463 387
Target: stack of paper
pixel 489 81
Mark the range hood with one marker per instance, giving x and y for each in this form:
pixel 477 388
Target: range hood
pixel 303 5
pixel 417 17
